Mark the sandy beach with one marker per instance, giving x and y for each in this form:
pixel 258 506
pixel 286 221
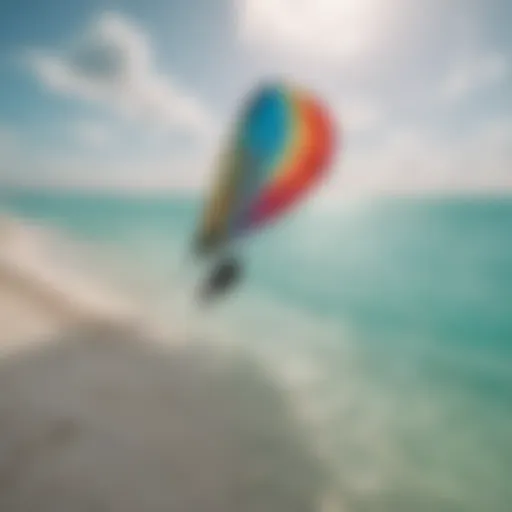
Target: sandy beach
pixel 39 298
pixel 95 416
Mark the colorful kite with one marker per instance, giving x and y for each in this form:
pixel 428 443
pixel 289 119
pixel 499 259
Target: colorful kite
pixel 283 145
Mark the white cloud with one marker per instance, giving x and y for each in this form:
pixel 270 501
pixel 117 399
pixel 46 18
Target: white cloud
pixel 412 162
pixel 112 64
pixel 164 172
pixel 472 73
pixel 358 115
pixel 112 160
pixel 404 162
pixel 93 134
pixel 327 29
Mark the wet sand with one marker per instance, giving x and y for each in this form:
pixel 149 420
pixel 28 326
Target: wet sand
pixel 102 419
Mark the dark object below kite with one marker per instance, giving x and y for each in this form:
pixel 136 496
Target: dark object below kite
pixel 224 276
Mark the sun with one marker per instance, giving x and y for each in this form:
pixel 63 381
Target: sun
pixel 327 28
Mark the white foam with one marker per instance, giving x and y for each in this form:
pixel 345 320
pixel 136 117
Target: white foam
pixel 41 291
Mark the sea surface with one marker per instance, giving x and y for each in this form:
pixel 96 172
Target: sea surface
pixel 388 321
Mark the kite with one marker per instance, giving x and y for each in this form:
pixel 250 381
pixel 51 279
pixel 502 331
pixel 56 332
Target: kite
pixel 282 147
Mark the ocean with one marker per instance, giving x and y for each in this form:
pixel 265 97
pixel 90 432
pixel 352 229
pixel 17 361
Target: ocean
pixel 388 321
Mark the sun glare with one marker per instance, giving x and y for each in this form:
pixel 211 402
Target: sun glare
pixel 331 28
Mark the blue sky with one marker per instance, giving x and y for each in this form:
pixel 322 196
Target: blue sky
pixel 141 94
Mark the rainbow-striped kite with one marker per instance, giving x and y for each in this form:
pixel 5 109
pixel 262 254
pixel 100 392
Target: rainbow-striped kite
pixel 283 145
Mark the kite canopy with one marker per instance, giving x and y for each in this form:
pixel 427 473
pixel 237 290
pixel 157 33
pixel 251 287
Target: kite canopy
pixel 283 144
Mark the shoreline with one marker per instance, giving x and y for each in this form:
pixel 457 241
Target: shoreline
pixel 38 298
pixel 97 408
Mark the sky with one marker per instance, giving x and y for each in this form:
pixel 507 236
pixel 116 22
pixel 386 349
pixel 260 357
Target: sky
pixel 142 95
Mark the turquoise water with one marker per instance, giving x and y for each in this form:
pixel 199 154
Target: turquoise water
pixel 390 321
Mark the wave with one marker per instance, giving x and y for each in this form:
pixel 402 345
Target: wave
pixel 50 278
pixel 43 284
